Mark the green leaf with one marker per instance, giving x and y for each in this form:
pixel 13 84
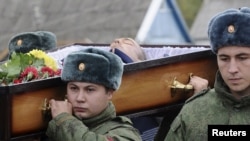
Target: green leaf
pixel 38 63
pixel 3 74
pixel 26 60
pixel 13 67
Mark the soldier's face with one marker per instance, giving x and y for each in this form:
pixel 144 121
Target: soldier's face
pixel 234 65
pixel 87 99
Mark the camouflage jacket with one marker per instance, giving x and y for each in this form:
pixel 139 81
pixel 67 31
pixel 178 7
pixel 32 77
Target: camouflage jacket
pixel 214 106
pixel 104 127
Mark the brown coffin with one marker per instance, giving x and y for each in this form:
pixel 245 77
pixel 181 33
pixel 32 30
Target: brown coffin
pixel 145 85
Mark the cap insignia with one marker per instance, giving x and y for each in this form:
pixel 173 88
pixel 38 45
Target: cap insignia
pixel 230 29
pixel 81 66
pixel 19 42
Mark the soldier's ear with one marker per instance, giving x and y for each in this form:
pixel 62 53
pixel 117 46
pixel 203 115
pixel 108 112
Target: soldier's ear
pixel 110 93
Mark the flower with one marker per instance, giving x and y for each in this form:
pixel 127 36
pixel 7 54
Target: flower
pixel 48 61
pixel 24 67
pixel 47 71
pixel 29 73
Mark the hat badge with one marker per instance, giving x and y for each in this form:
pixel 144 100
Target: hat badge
pixel 19 42
pixel 81 66
pixel 230 29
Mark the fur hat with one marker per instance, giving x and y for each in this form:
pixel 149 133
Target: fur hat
pixel 230 28
pixel 94 66
pixel 27 41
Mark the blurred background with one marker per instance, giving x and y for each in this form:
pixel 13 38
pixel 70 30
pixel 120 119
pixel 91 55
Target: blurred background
pixel 102 21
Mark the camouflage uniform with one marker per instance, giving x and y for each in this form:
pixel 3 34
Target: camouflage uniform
pixel 104 127
pixel 214 106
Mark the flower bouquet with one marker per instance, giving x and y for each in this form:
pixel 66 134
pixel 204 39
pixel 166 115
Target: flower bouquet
pixel 24 67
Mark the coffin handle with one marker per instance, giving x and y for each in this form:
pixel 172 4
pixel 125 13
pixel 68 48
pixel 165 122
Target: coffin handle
pixel 178 86
pixel 45 110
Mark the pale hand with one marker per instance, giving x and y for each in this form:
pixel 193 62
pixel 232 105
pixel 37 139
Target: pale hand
pixel 198 83
pixel 58 107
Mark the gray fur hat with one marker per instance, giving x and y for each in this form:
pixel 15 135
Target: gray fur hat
pixel 230 28
pixel 27 41
pixel 94 66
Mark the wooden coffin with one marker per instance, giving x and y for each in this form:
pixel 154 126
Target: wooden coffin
pixel 145 85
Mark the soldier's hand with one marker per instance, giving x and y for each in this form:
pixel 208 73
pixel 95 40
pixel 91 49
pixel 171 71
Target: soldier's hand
pixel 58 107
pixel 198 83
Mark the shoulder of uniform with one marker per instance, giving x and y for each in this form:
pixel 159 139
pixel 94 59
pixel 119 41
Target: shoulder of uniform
pixel 195 96
pixel 123 119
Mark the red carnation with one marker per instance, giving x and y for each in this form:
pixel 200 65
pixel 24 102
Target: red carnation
pixel 17 81
pixel 29 73
pixel 47 71
pixel 58 72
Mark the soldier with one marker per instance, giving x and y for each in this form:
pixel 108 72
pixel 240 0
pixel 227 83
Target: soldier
pixel 27 41
pixel 92 76
pixel 130 51
pixel 228 103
